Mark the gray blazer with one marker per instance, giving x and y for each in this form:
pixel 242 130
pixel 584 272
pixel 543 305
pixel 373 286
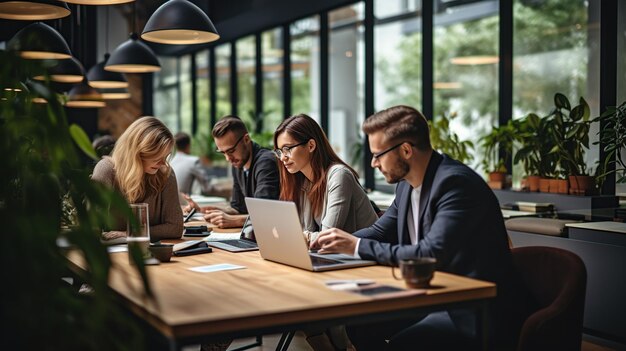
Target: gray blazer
pixel 346 206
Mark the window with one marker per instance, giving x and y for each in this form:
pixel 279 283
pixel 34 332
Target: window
pixel 166 93
pixel 305 82
pixel 246 107
pixel 346 64
pixel 466 76
pixel 222 81
pixel 272 49
pixel 203 93
pixel 397 60
pixel 556 50
pixel 186 103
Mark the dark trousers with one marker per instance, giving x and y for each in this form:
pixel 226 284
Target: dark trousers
pixel 435 331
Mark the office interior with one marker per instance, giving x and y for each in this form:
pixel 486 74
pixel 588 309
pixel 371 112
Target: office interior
pixel 478 64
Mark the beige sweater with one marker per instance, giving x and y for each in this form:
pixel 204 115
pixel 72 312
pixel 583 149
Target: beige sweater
pixel 165 214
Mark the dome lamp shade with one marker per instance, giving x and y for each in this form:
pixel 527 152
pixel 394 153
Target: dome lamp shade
pixel 115 94
pixel 102 79
pixel 133 56
pixel 83 95
pixel 66 71
pixel 39 41
pixel 179 22
pixel 33 10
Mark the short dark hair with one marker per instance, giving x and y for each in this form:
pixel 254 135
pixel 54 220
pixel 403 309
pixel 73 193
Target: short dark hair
pixel 229 124
pixel 400 124
pixel 103 145
pixel 182 140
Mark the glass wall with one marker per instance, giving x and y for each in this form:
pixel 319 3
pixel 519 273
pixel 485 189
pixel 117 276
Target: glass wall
pixel 305 81
pixel 203 99
pixel 186 103
pixel 397 59
pixel 166 93
pixel 246 80
pixel 222 80
pixel 346 79
pixel 556 49
pixel 465 77
pixel 272 48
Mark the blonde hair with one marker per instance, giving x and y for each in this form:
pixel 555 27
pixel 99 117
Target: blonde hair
pixel 146 138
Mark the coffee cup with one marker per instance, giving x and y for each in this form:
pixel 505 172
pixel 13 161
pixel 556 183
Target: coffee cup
pixel 162 252
pixel 416 272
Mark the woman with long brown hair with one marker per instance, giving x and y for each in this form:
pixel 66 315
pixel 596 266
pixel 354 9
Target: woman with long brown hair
pixel 326 191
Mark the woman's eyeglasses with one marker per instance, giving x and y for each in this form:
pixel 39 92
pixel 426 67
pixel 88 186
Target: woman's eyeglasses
pixel 286 150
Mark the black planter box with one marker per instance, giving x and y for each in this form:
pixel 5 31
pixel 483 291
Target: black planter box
pixel 561 202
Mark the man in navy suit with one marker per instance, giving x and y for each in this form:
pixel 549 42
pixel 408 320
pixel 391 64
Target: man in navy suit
pixel 442 209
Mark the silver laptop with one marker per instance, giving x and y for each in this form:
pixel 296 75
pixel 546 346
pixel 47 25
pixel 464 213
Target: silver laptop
pixel 246 241
pixel 279 236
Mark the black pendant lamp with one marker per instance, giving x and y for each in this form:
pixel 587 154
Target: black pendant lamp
pixel 33 10
pixel 66 71
pixel 102 79
pixel 115 94
pixel 83 95
pixel 133 56
pixel 179 22
pixel 39 41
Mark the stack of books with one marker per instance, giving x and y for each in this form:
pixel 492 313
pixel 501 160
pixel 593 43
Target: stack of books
pixel 535 207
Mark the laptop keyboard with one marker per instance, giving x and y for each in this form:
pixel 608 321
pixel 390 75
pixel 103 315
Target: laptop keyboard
pixel 239 243
pixel 320 261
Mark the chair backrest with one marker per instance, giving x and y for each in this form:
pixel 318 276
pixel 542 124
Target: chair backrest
pixel 557 279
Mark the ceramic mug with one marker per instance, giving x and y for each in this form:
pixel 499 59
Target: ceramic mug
pixel 416 272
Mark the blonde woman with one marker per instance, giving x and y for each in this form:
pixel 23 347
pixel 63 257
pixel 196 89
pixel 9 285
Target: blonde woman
pixel 139 170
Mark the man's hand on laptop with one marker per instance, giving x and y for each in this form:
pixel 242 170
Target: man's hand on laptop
pixel 335 241
pixel 223 220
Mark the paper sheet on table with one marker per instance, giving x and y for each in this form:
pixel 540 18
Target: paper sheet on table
pixel 222 236
pixel 216 268
pixel 117 248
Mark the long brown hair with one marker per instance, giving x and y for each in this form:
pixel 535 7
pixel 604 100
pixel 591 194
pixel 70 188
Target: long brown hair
pixel 303 128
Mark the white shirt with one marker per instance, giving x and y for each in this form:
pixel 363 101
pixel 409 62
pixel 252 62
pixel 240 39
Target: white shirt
pixel 412 221
pixel 414 214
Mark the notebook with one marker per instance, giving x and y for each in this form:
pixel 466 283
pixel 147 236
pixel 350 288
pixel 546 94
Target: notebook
pixel 279 236
pixel 246 241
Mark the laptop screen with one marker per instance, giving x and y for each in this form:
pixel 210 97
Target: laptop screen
pixel 247 232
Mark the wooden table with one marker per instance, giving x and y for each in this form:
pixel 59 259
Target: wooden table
pixel 268 297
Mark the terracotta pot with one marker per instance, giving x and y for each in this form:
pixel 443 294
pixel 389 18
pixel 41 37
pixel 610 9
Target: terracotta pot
pixel 497 176
pixel 580 185
pixel 562 186
pixel 544 185
pixel 554 186
pixel 533 183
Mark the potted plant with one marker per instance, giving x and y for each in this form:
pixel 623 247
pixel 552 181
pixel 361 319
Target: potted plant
pixel 529 153
pixel 613 137
pixel 41 168
pixel 500 138
pixel 446 141
pixel 570 133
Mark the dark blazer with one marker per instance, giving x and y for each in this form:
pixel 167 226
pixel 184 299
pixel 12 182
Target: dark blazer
pixel 262 181
pixel 461 225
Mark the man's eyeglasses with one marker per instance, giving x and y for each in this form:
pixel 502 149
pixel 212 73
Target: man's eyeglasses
pixel 232 149
pixel 378 155
pixel 286 150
